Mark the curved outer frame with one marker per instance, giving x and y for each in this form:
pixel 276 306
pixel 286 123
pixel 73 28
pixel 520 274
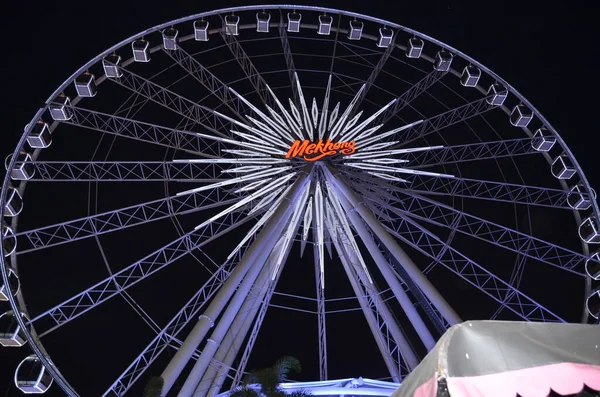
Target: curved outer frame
pixel 17 302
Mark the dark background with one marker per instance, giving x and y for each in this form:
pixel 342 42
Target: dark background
pixel 548 53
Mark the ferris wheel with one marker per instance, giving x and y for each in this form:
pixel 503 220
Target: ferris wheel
pixel 173 181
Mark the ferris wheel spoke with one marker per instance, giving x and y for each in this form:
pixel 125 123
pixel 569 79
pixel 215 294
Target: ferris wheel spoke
pixel 488 190
pixel 476 189
pixel 211 82
pixel 138 271
pixel 245 63
pixel 111 221
pixel 440 121
pixel 289 58
pixel 197 144
pixel 502 292
pixel 443 215
pixel 469 152
pixel 410 95
pixel 176 325
pixel 99 171
pixel 374 73
pixel 176 103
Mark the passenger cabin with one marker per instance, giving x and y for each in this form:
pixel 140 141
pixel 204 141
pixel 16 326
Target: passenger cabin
pixel 443 61
pixel 85 85
pixel 589 230
pixel 141 50
pixel 521 116
pixel 497 94
pixel 14 202
pixel 543 140
pixel 232 25
pixel 23 169
pixel 12 288
pixel 579 199
pixel 31 377
pixel 11 333
pixel 112 66
pixel 9 241
pixel 263 22
pixel 294 19
pixel 593 303
pixel 170 39
pixel 325 22
pixel 414 48
pixel 470 76
pixel 355 30
pixel 40 136
pixel 386 36
pixel 60 108
pixel 201 30
pixel 592 266
pixel 562 167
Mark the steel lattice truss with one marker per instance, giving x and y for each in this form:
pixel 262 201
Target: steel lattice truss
pixel 303 168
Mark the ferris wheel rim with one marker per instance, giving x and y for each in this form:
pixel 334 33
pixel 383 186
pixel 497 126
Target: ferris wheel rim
pixel 21 143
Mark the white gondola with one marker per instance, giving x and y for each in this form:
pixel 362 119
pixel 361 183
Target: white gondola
pixel 232 25
pixel 589 230
pixel 9 241
pixel 414 47
pixel 31 377
pixel 263 22
pixel 201 30
pixel 39 137
pixel 562 167
pixel 23 169
pixel 85 85
pixel 14 202
pixel 386 36
pixel 497 94
pixel 294 19
pixel 543 140
pixel 593 303
pixel 141 50
pixel 112 66
pixel 470 76
pixel 59 108
pixel 521 116
pixel 14 286
pixel 592 266
pixel 443 61
pixel 355 31
pixel 11 333
pixel 578 198
pixel 170 39
pixel 325 22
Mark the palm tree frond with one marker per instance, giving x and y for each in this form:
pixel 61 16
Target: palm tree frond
pixel 285 365
pixel 243 391
pixel 300 393
pixel 267 378
pixel 154 387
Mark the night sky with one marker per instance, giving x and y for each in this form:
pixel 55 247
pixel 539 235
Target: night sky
pixel 548 54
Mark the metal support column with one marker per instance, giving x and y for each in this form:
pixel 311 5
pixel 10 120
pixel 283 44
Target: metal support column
pixel 388 274
pixel 339 184
pixel 205 322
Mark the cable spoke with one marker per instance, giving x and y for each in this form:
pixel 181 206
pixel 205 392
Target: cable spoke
pixel 209 81
pixel 65 232
pixel 289 59
pixel 409 95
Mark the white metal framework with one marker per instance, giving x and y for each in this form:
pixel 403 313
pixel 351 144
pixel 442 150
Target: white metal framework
pixel 413 181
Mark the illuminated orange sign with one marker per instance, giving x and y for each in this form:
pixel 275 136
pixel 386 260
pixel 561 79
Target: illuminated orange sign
pixel 316 151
